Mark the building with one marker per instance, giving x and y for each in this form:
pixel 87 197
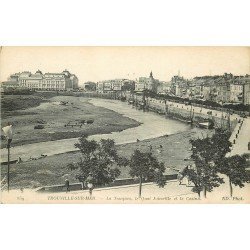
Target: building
pixel 164 88
pixel 236 92
pixel 223 91
pixel 246 91
pixel 180 86
pixel 246 95
pixel 139 86
pixel 9 85
pixel 149 83
pixel 115 85
pixel 48 81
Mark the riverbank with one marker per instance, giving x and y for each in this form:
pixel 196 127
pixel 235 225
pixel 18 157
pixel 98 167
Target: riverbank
pixel 53 170
pixel 151 125
pixel 53 116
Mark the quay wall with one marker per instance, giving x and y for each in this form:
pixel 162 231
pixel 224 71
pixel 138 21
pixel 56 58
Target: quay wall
pixel 184 113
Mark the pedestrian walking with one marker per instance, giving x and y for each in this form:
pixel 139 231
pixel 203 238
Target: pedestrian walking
pixel 67 185
pixel 179 177
pixel 19 160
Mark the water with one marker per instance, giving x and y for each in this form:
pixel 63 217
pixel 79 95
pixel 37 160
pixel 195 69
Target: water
pixel 153 125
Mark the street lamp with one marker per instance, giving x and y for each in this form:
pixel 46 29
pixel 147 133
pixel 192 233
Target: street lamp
pixel 9 135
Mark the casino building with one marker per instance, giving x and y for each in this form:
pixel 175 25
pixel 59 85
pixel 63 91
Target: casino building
pixel 64 81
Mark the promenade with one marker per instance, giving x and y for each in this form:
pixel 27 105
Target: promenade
pixel 240 138
pixel 240 134
pixel 197 110
pixel 171 193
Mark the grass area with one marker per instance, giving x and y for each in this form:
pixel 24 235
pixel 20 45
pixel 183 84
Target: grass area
pixel 54 116
pixel 12 103
pixel 53 170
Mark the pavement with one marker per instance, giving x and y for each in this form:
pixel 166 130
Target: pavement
pixel 241 137
pixel 171 193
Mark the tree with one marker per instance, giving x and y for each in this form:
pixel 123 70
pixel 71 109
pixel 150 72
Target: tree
pixel 146 167
pixel 90 86
pixel 204 177
pixel 99 161
pixel 207 154
pixel 128 86
pixel 235 168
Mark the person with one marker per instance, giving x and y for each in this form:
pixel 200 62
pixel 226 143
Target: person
pixel 160 149
pixel 180 177
pixel 150 148
pixel 19 160
pixel 67 185
pixel 188 167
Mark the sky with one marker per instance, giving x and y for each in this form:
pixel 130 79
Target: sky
pixel 103 63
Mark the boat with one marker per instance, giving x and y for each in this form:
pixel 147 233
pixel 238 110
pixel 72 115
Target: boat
pixel 206 125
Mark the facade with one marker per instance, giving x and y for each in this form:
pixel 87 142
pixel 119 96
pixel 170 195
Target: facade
pixel 9 85
pixel 236 92
pixel 246 93
pixel 164 88
pixel 48 81
pixel 140 86
pixel 114 85
pixel 223 93
pixel 219 88
pixel 149 83
pixel 180 86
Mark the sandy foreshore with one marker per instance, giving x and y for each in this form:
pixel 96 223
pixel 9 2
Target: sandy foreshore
pixel 173 135
pixel 54 117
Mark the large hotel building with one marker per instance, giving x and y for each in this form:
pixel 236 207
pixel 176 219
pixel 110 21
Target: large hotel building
pixel 39 81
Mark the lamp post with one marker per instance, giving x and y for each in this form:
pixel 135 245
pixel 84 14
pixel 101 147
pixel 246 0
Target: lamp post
pixel 8 169
pixel 8 133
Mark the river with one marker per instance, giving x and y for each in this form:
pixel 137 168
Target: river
pixel 152 126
